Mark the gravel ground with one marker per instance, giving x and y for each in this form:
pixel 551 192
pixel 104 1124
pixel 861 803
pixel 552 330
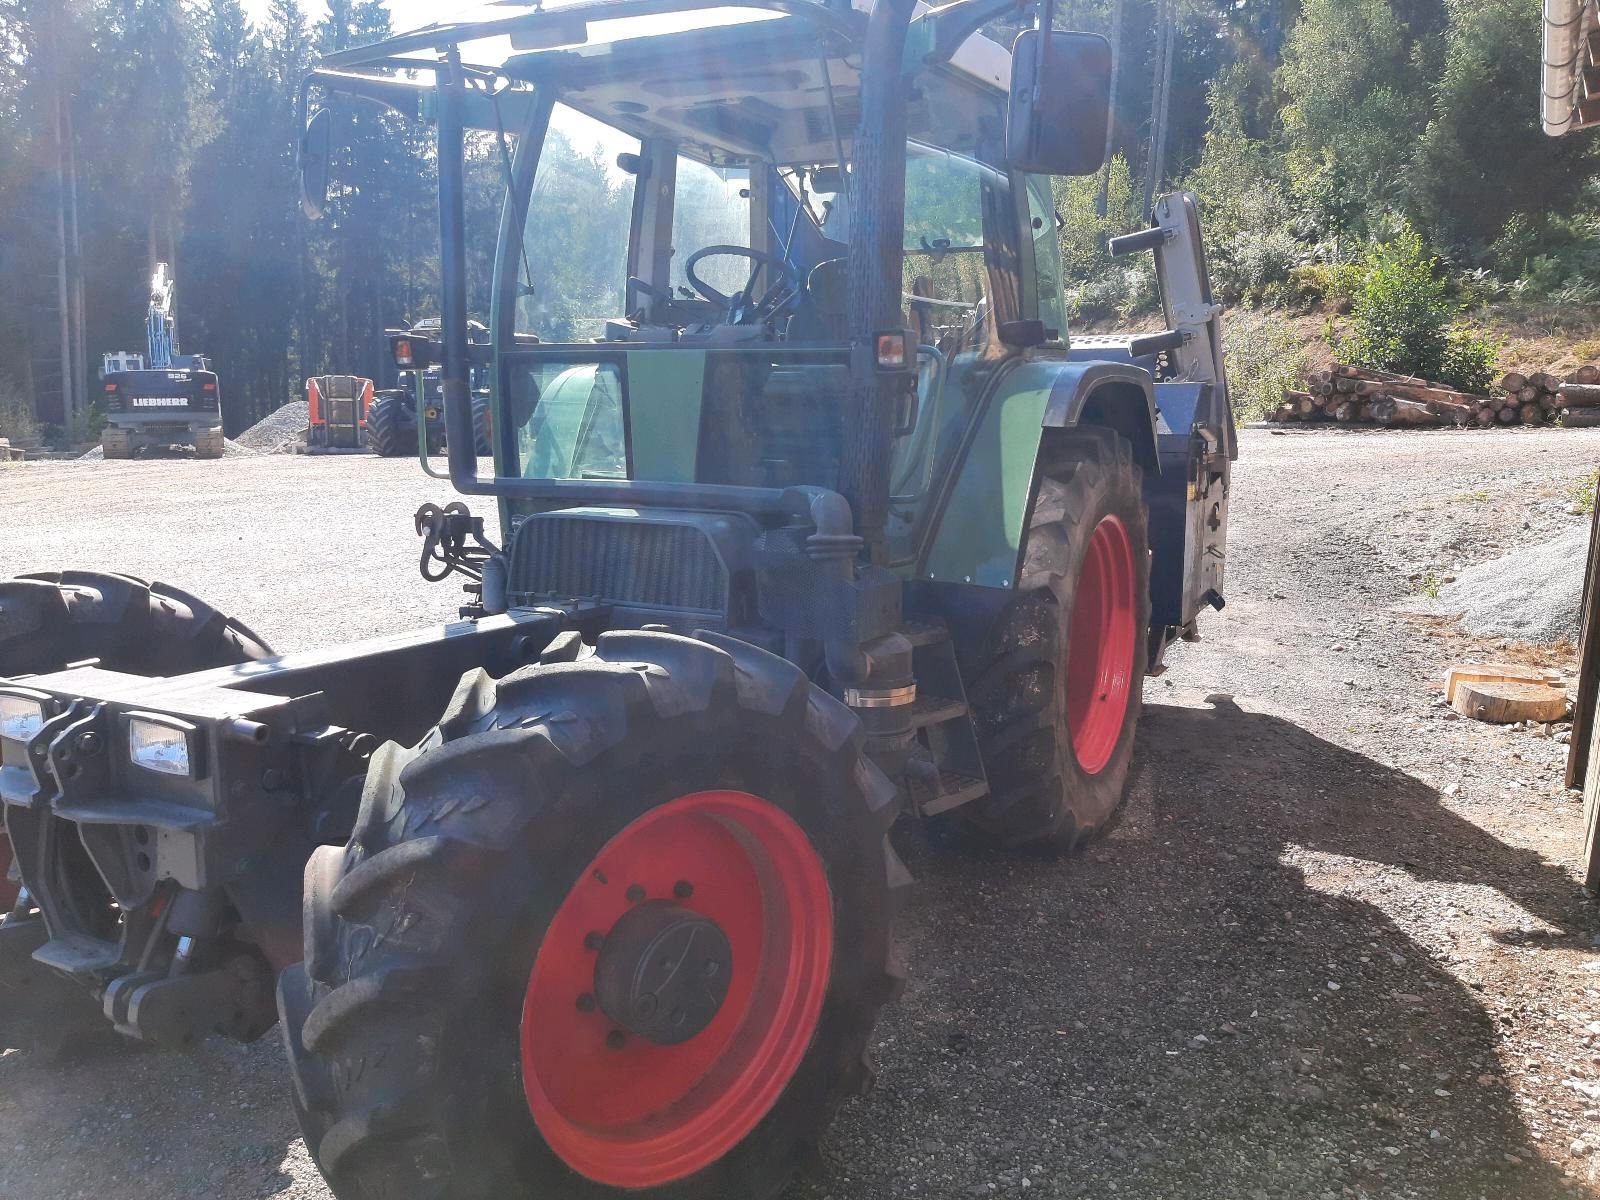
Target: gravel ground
pixel 1334 949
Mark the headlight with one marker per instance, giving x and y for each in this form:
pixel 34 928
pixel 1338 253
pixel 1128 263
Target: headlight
pixel 167 746
pixel 20 717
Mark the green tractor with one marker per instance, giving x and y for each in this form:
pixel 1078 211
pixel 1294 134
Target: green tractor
pixel 827 523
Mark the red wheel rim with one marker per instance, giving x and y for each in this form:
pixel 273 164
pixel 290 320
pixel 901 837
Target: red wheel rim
pixel 1103 638
pixel 642 1114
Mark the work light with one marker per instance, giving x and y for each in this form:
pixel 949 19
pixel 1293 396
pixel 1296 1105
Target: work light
pixel 20 716
pixel 164 745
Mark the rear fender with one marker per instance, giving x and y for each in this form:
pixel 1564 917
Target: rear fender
pixel 976 534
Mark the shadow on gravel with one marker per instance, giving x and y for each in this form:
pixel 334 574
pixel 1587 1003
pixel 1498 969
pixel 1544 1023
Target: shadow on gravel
pixel 1160 1019
pixel 1152 1020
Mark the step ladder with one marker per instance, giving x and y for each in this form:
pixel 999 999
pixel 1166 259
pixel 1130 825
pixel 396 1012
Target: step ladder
pixel 946 768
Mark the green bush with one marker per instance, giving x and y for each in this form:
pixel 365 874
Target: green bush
pixel 1330 284
pixel 1469 360
pixel 1401 317
pixel 1264 359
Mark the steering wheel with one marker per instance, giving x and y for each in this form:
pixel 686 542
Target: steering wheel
pixel 744 309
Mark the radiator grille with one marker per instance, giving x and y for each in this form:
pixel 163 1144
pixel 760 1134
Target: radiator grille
pixel 620 562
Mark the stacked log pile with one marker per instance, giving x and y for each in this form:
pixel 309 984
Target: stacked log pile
pixel 1355 395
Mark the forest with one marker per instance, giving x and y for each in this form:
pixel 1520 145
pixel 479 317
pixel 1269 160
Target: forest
pixel 1337 146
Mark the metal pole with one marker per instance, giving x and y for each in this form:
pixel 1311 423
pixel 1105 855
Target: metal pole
pixel 455 383
pixel 1159 106
pixel 877 253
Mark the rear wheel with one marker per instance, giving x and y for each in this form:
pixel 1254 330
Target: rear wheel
pixel 482 431
pixel 386 427
pixel 47 621
pixel 1058 688
pixel 615 926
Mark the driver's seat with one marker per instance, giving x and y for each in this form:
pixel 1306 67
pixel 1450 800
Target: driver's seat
pixel 822 312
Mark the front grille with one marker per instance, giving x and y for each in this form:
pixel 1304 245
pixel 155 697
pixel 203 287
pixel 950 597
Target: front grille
pixel 619 561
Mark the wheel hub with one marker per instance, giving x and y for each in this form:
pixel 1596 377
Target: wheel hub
pixel 663 972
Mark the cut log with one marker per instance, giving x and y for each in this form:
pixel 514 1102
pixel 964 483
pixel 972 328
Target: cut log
pixel 1496 673
pixel 1585 374
pixel 1530 414
pixel 1545 381
pixel 1502 703
pixel 1580 395
pixel 1581 418
pixel 1507 415
pixel 1484 416
pixel 1513 381
pixel 1417 391
pixel 1398 410
pixel 1367 373
pixel 1343 384
pixel 1528 395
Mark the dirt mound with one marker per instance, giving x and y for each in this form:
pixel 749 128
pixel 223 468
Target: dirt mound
pixel 1534 594
pixel 278 430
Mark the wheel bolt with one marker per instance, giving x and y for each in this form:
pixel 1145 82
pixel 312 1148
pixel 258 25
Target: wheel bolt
pixel 586 1002
pixel 593 941
pixel 635 893
pixel 616 1039
pixel 683 889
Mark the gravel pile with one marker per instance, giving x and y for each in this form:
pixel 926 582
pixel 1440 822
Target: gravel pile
pixel 279 430
pixel 1534 594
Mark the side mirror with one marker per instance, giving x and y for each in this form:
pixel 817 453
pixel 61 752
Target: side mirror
pixel 1060 102
pixel 316 146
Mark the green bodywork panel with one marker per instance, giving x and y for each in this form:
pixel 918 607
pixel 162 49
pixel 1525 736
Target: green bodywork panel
pixel 666 430
pixel 980 530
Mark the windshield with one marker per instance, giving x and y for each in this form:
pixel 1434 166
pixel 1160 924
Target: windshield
pixel 575 244
pixel 682 306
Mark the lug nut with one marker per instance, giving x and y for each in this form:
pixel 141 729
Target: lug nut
pixel 683 889
pixel 586 1002
pixel 88 742
pixel 593 941
pixel 616 1039
pixel 635 893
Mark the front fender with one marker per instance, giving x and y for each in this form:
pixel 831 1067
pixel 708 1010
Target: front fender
pixel 977 532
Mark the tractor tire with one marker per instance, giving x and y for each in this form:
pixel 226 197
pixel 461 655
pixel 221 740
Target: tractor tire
pixel 47 621
pixel 661 811
pixel 1058 686
pixel 386 428
pixel 482 428
pixel 53 618
pixel 209 443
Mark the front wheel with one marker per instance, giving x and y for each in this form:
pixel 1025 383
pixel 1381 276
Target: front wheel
pixel 618 926
pixel 1058 687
